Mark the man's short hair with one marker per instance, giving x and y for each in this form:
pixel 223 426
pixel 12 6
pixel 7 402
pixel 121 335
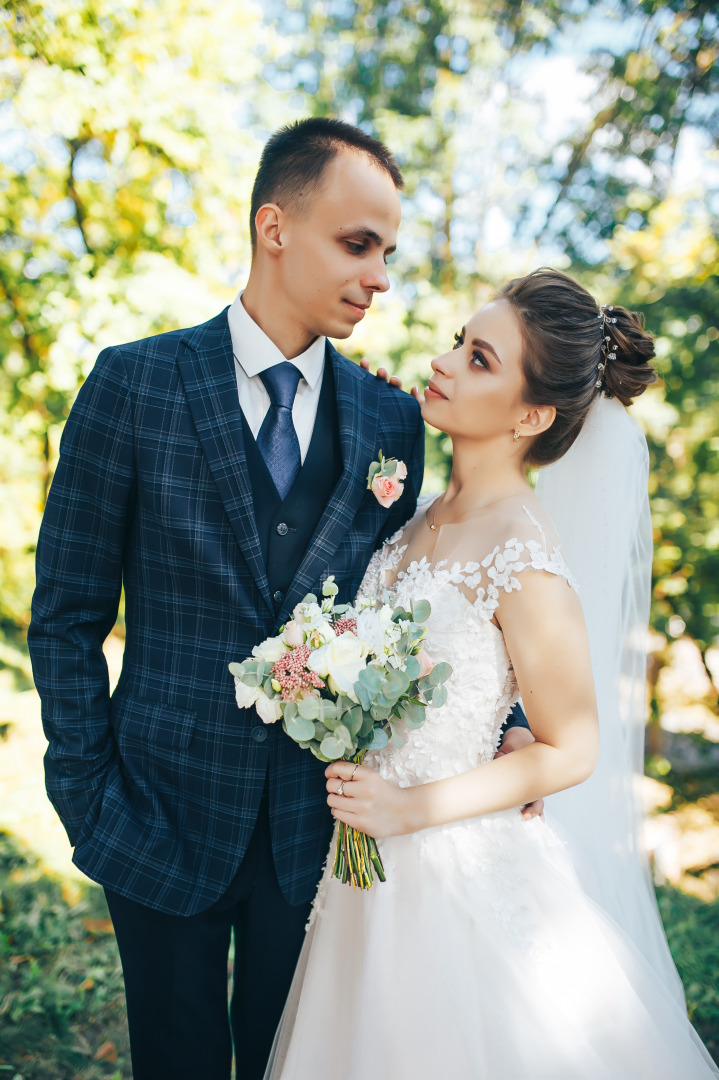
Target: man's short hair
pixel 295 157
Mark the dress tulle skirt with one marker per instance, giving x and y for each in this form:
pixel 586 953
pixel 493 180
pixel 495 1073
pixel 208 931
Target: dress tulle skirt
pixel 480 958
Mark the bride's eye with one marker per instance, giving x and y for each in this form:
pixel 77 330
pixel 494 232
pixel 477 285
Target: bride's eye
pixel 458 340
pixel 481 359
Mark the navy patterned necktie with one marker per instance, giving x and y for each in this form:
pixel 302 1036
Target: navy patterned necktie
pixel 277 438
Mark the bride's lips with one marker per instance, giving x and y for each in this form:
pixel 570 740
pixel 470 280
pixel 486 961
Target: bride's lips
pixel 358 310
pixel 433 392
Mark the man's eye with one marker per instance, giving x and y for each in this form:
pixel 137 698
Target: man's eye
pixel 356 249
pixel 458 341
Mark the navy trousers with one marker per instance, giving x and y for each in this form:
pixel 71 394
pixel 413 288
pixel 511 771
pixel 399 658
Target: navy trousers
pixel 175 969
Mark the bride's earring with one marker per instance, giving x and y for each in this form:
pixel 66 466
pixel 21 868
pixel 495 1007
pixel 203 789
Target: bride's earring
pixel 516 436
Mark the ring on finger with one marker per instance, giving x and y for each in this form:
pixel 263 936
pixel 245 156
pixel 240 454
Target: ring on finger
pixel 341 788
pixel 354 771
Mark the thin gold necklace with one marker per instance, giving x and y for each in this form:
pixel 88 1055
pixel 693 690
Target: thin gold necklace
pixel 453 521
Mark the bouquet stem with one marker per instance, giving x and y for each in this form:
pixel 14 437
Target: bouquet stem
pixel 356 853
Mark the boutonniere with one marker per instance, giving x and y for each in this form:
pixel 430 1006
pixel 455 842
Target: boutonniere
pixel 385 479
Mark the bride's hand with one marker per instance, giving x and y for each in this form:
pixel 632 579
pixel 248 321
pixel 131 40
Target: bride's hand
pixel 367 802
pixel 393 380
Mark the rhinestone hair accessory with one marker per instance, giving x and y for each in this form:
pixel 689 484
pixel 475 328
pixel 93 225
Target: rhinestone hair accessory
pixel 608 347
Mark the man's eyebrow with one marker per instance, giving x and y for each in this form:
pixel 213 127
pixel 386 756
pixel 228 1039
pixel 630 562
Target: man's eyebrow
pixel 481 344
pixel 370 234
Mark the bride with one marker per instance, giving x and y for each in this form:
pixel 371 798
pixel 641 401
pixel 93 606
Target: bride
pixel 482 957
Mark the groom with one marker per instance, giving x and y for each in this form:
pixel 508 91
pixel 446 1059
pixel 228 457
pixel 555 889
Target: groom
pixel 218 474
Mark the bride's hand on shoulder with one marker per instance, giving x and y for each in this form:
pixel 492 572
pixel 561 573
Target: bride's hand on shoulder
pixel 393 380
pixel 358 796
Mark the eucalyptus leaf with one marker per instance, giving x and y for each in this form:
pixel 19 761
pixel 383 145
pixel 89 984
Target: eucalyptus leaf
pixel 370 678
pixel 328 711
pixel 411 667
pixel 290 710
pixel 309 708
pixel 380 713
pixel 352 719
pixel 363 696
pixel 439 696
pixel 367 725
pixel 412 713
pixel 332 748
pixel 395 684
pixel 401 613
pixel 342 733
pixel 316 750
pixel 300 729
pixel 421 610
pixel 397 737
pixel 440 673
pixel 373 470
pixel 237 670
pixel 320 731
pixel 380 739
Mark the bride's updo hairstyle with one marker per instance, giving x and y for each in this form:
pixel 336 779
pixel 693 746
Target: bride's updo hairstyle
pixel 574 350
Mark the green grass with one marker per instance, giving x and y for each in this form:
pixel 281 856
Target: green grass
pixel 692 928
pixel 61 993
pixel 61 990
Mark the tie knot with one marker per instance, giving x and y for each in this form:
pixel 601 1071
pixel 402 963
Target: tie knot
pixel 281 383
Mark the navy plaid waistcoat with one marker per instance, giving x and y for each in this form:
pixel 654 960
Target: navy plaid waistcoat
pixel 159 785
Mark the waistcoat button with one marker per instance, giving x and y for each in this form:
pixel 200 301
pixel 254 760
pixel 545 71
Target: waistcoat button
pixel 278 597
pixel 259 734
pixel 282 529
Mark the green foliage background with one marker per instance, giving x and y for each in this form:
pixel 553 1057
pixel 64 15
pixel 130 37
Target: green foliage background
pixel 130 131
pixel 129 135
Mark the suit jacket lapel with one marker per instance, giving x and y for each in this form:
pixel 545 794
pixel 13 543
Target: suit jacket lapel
pixel 357 408
pixel 207 369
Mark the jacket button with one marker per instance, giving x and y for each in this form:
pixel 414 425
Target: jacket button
pixel 259 734
pixel 282 529
pixel 278 597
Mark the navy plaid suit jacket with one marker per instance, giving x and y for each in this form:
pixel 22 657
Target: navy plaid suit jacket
pixel 159 785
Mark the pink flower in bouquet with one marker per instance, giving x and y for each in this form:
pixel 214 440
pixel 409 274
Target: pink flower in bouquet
pixel 387 489
pixel 291 673
pixel 426 663
pixel 345 624
pixel 293 634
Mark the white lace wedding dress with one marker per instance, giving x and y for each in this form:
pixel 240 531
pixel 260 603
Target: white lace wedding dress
pixel 480 958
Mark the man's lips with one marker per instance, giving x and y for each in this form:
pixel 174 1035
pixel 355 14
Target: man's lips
pixel 356 309
pixel 434 392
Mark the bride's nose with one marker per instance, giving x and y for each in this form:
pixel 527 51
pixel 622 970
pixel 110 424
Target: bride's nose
pixel 440 364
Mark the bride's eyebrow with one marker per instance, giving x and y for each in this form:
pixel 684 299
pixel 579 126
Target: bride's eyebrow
pixel 481 344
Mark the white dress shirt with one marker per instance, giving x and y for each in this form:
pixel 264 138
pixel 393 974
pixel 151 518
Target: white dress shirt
pixel 254 352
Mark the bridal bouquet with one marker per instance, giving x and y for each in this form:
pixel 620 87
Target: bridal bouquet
pixel 341 678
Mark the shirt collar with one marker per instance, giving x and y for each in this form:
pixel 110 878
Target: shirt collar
pixel 255 352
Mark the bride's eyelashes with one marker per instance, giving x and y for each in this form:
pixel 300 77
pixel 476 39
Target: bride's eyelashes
pixel 477 356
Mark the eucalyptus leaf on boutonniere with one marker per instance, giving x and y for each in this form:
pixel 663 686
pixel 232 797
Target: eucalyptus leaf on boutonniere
pixel 385 479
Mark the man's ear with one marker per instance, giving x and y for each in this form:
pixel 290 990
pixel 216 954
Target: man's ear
pixel 269 222
pixel 536 419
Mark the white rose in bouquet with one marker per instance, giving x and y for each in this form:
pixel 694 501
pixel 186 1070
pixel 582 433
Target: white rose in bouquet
pixel 377 629
pixel 293 634
pixel 268 709
pixel 245 695
pixel 340 662
pixel 270 650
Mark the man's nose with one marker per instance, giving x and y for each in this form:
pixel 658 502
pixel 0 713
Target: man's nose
pixel 375 276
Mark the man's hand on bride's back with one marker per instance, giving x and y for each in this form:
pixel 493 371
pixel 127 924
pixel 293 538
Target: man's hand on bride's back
pixel 393 380
pixel 515 739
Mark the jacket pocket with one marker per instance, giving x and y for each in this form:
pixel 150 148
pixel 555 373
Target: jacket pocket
pixel 138 720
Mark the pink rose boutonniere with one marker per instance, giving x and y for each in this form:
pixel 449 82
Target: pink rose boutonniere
pixel 385 478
